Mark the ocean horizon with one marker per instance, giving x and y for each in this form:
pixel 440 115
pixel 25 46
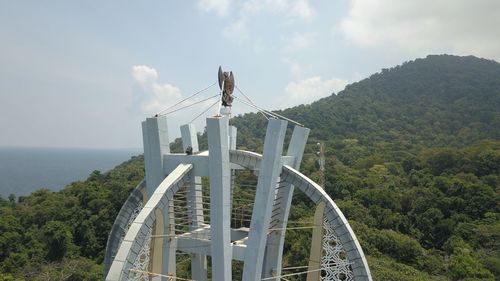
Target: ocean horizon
pixel 27 169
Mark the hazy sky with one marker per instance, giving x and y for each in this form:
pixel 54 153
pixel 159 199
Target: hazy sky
pixel 85 73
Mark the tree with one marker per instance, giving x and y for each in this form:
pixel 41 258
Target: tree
pixel 462 266
pixel 57 237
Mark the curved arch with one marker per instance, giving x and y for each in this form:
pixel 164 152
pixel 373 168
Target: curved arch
pixel 334 216
pixel 121 224
pixel 135 237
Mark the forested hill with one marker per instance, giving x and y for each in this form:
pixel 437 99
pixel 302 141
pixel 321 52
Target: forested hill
pixel 412 160
pixel 440 100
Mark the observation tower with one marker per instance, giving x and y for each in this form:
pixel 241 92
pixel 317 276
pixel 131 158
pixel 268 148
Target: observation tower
pixel 227 214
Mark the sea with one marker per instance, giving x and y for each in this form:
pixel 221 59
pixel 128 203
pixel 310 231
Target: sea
pixel 26 169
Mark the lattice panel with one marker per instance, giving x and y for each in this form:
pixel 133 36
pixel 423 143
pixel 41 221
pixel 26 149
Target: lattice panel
pixel 334 263
pixel 141 264
pixel 134 215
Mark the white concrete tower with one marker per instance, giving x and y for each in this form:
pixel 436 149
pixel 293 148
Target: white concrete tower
pixel 186 210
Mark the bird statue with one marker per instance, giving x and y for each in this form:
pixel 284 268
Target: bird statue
pixel 226 84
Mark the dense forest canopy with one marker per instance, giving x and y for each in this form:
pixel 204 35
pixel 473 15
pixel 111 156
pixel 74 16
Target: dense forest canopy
pixel 412 159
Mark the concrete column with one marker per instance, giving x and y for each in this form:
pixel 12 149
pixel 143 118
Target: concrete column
pixel 270 170
pixel 298 144
pixel 233 132
pixel 163 251
pixel 220 214
pixel 232 146
pixel 276 239
pixel 155 139
pixel 317 245
pixel 169 244
pixel 195 203
pixel 190 139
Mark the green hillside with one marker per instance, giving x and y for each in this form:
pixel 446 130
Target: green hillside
pixel 437 101
pixel 62 235
pixel 413 161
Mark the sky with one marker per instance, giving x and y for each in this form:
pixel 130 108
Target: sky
pixel 86 73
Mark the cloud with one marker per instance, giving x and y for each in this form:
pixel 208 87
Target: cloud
pixel 456 26
pixel 221 7
pixel 300 41
pixel 143 73
pixel 298 70
pixel 153 96
pixel 255 6
pixel 301 9
pixel 237 31
pixel 298 9
pixel 311 89
pixel 242 27
pixel 295 67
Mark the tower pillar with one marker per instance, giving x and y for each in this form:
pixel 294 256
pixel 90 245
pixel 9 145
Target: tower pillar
pixel 220 212
pixel 155 139
pixel 276 239
pixel 195 202
pixel 268 177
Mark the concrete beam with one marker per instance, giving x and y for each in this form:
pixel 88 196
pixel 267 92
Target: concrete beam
pixel 199 161
pixel 264 197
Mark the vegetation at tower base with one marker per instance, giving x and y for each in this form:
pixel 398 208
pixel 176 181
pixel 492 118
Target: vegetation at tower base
pixel 413 161
pixel 62 235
